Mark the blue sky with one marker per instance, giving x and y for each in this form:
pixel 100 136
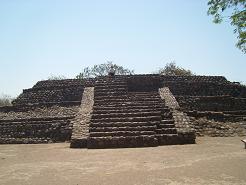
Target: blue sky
pixel 43 38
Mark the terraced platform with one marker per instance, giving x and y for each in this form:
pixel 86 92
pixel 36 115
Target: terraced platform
pixel 124 111
pixel 123 118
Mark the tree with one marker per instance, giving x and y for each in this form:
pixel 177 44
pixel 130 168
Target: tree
pixel 5 100
pixel 171 69
pixel 237 17
pixel 103 70
pixel 58 77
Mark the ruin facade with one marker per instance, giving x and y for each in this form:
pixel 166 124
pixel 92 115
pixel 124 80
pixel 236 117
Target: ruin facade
pixel 125 111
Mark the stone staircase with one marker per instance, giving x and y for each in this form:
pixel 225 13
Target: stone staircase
pixel 128 119
pixel 166 131
pixel 120 119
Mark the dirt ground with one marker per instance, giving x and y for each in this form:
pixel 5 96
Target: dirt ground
pixel 210 161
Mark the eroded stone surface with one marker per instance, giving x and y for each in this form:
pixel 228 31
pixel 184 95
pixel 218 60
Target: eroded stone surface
pixel 82 119
pixel 128 111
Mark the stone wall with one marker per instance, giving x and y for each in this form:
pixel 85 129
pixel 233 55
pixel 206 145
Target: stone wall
pixel 230 116
pixel 204 89
pixel 58 83
pixel 42 113
pixel 217 79
pixel 29 112
pixel 65 83
pixel 35 130
pixel 32 96
pixel 50 91
pixel 205 127
pixel 47 111
pixel 211 103
pixel 202 86
pixel 36 124
pixel 212 97
pixel 144 83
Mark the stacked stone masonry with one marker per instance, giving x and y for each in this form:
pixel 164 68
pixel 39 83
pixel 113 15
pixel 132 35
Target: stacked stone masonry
pixel 81 121
pixel 125 111
pixel 215 106
pixel 205 127
pixel 210 98
pixel 125 115
pixel 181 120
pixel 122 119
pixel 41 114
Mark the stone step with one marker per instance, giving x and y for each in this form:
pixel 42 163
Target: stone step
pixel 126 102
pixel 167 115
pixel 98 94
pixel 115 80
pixel 16 123
pixel 11 127
pixel 30 124
pixel 166 126
pixel 142 96
pixel 98 86
pixel 127 96
pixel 238 112
pixel 124 96
pixel 102 111
pixel 113 129
pixel 129 107
pixel 167 121
pixel 145 98
pixel 109 78
pixel 129 119
pixel 168 139
pixel 118 93
pixel 144 93
pixel 32 119
pixel 236 116
pixel 78 135
pixel 79 142
pixel 121 133
pixel 137 103
pixel 166 131
pixel 124 115
pixel 124 124
pixel 125 99
pixel 33 140
pixel 110 89
pixel 101 83
pixel 122 142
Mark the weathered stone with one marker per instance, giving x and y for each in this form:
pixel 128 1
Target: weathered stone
pixel 125 111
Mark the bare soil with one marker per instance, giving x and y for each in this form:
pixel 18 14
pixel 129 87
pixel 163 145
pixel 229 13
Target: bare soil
pixel 210 161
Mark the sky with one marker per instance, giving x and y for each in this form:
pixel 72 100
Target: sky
pixel 61 37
